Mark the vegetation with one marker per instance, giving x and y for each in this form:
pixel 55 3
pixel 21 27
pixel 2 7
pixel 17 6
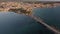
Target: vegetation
pixel 21 10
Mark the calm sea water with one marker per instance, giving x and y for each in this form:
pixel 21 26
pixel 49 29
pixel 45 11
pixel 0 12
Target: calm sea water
pixel 12 23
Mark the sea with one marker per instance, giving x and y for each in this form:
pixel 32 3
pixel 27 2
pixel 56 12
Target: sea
pixel 13 23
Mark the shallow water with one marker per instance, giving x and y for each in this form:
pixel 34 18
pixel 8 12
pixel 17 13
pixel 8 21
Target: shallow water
pixel 12 23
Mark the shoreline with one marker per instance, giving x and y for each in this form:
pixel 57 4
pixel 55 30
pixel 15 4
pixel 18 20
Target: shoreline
pixel 25 7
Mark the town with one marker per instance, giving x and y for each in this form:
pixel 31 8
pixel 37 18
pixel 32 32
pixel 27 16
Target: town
pixel 27 7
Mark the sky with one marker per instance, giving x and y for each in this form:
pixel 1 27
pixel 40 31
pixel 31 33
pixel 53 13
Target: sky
pixel 29 0
pixel 41 0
